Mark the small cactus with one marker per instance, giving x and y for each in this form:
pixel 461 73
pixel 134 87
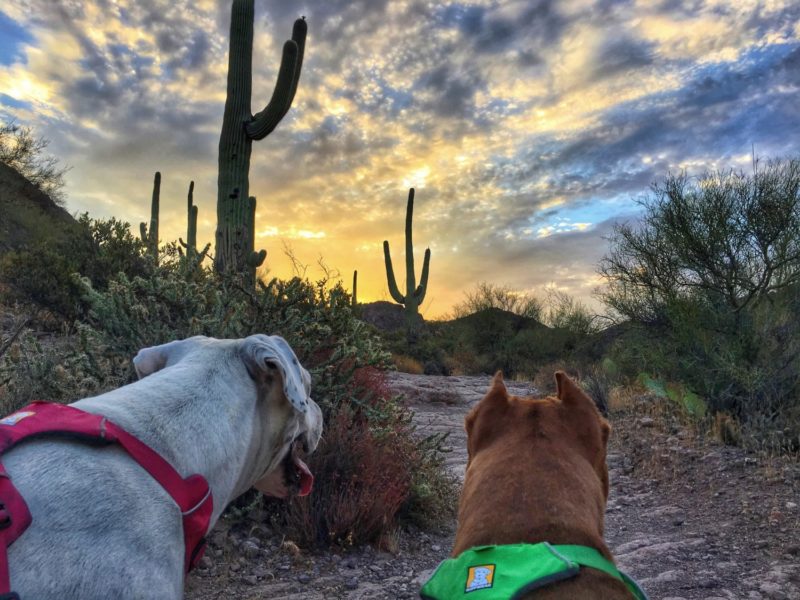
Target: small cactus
pixel 191 230
pixel 150 236
pixel 415 295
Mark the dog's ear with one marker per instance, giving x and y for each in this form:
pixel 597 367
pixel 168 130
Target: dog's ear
pixel 265 355
pixel 495 402
pixel 569 392
pixel 498 386
pixel 497 394
pixel 154 358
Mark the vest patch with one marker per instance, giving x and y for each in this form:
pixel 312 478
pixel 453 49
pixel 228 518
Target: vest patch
pixel 16 417
pixel 480 577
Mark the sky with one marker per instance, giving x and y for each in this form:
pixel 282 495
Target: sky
pixel 527 128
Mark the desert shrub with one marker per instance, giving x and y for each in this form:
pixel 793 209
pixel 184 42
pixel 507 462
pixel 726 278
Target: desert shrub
pixel 597 383
pixel 566 313
pixel 384 474
pixel 42 277
pixel 356 493
pixel 24 153
pixel 58 369
pixel 709 280
pixel 41 274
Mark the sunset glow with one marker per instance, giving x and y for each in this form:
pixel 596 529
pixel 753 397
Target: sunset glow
pixel 527 128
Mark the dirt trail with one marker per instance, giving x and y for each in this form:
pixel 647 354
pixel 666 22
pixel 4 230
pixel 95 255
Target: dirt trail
pixel 688 521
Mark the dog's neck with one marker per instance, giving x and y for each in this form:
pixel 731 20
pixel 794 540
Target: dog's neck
pixel 527 506
pixel 219 427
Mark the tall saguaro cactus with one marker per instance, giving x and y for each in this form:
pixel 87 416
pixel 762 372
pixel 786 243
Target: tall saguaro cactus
pixel 415 295
pixel 235 236
pixel 354 299
pixel 150 237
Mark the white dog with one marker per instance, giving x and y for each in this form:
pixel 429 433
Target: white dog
pixel 233 411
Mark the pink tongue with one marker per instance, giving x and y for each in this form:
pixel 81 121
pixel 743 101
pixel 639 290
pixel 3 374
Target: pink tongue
pixel 306 478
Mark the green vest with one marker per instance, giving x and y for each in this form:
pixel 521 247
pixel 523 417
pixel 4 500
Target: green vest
pixel 508 572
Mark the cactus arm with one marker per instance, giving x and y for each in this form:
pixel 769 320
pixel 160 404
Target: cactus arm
pixel 263 123
pixel 299 31
pixel 154 205
pixel 410 276
pixel 191 229
pixel 149 235
pixel 423 285
pixel 256 259
pixel 393 290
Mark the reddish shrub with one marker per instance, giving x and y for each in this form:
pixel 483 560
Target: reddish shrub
pixel 362 478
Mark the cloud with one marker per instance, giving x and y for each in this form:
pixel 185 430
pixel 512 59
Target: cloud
pixel 526 127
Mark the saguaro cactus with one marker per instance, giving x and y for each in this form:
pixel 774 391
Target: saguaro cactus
pixel 414 295
pixel 191 229
pixel 355 289
pixel 235 236
pixel 150 237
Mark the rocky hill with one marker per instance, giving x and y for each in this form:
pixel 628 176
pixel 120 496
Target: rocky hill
pixel 28 215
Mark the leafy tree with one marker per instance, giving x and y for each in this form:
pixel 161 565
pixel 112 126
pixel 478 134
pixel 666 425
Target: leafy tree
pixel 567 313
pixel 709 279
pixel 728 237
pixel 24 153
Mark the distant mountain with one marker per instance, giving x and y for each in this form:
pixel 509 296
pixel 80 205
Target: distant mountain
pixel 384 316
pixel 28 215
pixel 496 317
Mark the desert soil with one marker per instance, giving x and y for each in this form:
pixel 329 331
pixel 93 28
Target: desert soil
pixel 688 519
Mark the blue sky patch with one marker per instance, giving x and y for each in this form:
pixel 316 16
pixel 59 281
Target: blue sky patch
pixel 7 100
pixel 12 36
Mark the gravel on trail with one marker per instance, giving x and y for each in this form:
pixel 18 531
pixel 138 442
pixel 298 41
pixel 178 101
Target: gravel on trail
pixel 690 520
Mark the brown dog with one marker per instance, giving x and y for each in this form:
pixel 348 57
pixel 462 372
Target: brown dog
pixel 537 473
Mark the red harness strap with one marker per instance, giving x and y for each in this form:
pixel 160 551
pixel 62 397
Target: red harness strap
pixel 39 419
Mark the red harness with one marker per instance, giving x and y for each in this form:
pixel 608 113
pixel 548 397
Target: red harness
pixel 192 495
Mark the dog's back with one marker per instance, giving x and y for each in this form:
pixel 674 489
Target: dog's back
pixel 98 515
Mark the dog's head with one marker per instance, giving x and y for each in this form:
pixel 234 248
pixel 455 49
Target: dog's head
pixel 536 470
pixel 286 423
pixel 539 430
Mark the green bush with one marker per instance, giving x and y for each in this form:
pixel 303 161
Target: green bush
pixel 709 283
pixel 41 274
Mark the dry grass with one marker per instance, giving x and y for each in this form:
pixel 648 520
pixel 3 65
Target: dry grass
pixel 406 364
pixel 544 379
pixel 726 429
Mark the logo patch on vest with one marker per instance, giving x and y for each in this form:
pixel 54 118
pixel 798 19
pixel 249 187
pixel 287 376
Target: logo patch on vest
pixel 16 417
pixel 480 577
